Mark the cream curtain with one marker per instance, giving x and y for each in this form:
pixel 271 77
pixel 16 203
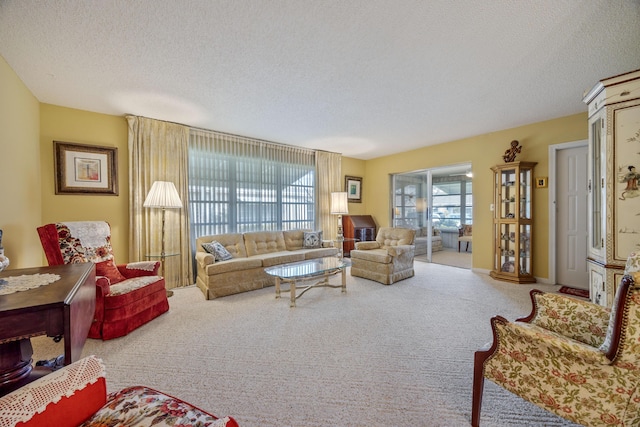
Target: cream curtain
pixel 158 151
pixel 329 174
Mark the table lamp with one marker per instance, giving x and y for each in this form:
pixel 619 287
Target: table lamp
pixel 163 195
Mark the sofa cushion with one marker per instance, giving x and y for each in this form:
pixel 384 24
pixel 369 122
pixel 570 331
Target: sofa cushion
pixel 144 407
pixel 312 240
pixel 235 264
pixel 120 294
pixel 109 270
pixel 277 258
pixel 220 253
pixel 376 255
pixel 293 239
pixel 319 253
pixel 264 242
pixel 233 242
pixel 394 236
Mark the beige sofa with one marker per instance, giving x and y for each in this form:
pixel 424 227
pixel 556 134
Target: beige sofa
pixel 388 259
pixel 251 253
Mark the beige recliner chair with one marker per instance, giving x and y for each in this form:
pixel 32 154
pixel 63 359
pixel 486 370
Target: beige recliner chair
pixel 386 260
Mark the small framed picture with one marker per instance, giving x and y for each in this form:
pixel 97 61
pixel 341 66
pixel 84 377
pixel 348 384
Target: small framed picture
pixel 541 182
pixel 353 187
pixel 85 169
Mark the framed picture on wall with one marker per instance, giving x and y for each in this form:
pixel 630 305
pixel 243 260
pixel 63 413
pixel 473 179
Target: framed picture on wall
pixel 353 187
pixel 85 169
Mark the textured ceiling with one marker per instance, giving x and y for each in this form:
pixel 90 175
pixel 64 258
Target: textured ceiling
pixel 365 78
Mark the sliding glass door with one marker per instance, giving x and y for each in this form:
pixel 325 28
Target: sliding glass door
pixel 411 199
pixel 433 202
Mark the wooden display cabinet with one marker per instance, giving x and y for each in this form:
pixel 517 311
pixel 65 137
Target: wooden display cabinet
pixel 513 222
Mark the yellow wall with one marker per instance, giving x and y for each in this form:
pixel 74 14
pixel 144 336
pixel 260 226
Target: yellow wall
pixel 20 204
pixel 482 152
pixel 78 126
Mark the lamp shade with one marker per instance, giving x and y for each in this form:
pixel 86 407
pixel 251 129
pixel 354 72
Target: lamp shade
pixel 339 203
pixel 421 204
pixel 163 194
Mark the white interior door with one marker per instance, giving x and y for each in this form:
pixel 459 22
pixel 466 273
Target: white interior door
pixel 571 217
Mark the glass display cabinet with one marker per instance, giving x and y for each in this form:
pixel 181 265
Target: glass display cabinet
pixel 513 222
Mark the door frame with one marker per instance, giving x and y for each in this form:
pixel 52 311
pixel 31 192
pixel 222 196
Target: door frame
pixel 553 158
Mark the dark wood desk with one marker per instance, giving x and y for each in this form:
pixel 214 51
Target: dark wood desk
pixel 63 308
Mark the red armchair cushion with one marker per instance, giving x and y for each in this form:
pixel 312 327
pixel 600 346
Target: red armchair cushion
pixel 73 410
pixel 109 270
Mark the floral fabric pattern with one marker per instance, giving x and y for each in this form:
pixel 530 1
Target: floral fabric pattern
pixel 573 318
pixel 73 252
pixel 555 361
pixel 144 407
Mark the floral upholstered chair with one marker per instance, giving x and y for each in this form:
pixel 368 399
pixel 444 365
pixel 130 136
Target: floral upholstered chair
pixel 127 295
pixel 576 359
pixel 388 259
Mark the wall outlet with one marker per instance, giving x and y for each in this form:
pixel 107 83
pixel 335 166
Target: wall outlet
pixel 491 207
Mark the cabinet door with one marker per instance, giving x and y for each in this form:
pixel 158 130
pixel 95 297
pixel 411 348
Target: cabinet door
pixel 507 252
pixel 597 292
pixel 625 183
pixel 524 250
pixel 596 187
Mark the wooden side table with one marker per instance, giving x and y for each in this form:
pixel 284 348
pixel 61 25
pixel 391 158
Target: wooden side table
pixel 64 308
pixel 162 258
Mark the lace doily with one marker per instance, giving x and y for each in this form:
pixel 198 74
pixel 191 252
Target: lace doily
pixel 24 403
pixel 92 234
pixel 11 284
pixel 142 265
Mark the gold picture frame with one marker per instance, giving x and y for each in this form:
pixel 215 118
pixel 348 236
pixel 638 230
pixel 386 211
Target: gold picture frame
pixel 541 182
pixel 353 187
pixel 85 169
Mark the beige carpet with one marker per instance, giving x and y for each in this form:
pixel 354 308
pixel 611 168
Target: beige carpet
pixel 399 355
pixel 450 257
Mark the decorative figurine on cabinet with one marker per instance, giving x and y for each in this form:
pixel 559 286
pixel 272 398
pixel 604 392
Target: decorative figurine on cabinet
pixel 510 154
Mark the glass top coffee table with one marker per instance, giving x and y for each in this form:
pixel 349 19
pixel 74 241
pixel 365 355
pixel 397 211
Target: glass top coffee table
pixel 319 269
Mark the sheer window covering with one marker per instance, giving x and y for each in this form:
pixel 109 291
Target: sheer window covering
pixel 238 184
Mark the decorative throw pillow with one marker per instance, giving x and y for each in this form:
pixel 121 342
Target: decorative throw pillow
pixel 109 270
pixel 312 240
pixel 220 253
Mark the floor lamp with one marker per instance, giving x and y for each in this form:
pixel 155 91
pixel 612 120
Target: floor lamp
pixel 163 195
pixel 340 206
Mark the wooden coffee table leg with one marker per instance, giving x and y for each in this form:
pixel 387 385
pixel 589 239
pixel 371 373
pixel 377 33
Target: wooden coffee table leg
pixel 344 280
pixel 292 284
pixel 277 287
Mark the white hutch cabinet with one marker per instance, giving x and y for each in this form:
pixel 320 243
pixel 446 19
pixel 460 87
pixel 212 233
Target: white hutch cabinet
pixel 614 178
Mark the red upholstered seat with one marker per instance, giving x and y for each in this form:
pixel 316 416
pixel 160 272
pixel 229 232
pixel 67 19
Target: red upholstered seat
pixel 127 295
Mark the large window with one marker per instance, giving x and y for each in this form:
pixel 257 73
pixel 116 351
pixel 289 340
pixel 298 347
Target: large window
pixel 452 202
pixel 240 185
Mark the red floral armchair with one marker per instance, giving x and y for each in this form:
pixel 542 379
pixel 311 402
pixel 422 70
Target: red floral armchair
pixel 576 359
pixel 127 295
